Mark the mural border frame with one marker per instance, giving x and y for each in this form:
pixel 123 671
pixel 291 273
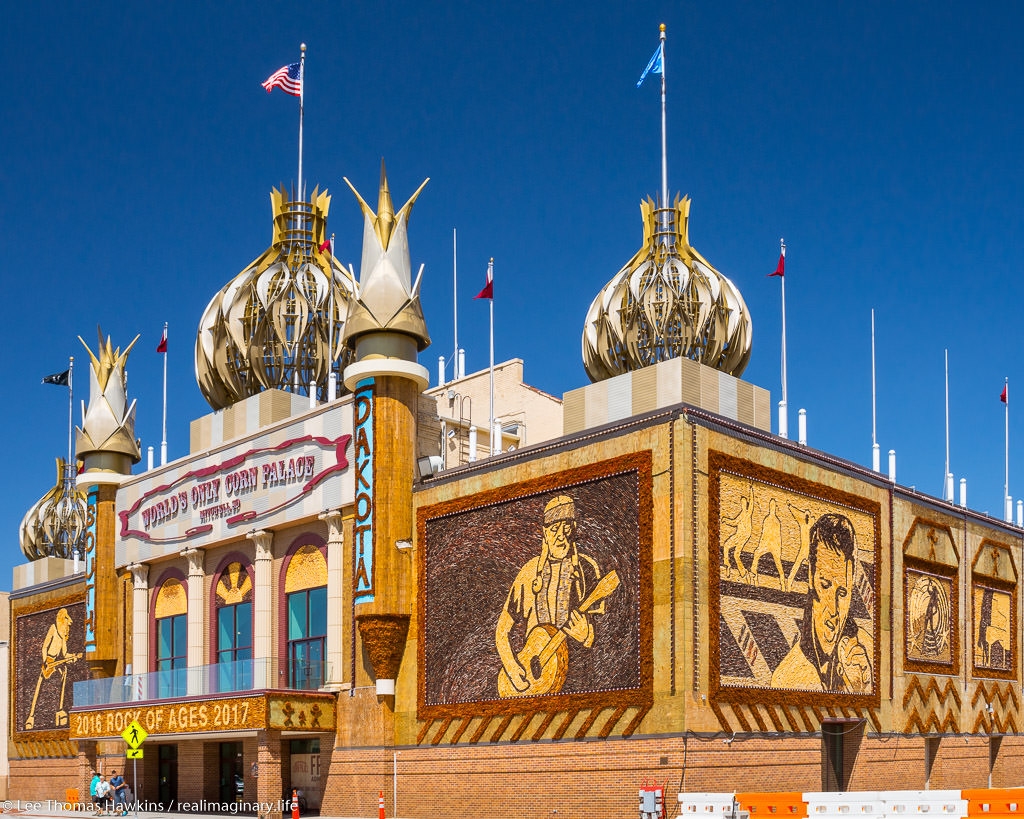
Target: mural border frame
pixel 719 462
pixel 643 695
pixel 54 734
pixel 952 668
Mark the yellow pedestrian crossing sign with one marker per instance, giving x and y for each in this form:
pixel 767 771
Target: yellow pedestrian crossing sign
pixel 134 753
pixel 134 735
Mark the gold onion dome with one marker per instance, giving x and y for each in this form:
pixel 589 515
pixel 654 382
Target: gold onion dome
pixel 272 325
pixel 54 525
pixel 667 301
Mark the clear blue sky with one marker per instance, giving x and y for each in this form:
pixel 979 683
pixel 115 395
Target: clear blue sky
pixel 881 140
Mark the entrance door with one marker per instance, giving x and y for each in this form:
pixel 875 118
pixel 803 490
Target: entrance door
pixel 305 772
pixel 168 775
pixel 231 782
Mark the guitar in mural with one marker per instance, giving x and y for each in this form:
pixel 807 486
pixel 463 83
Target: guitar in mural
pixel 545 657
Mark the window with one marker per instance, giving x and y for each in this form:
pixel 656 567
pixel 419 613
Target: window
pixel 171 655
pixel 234 647
pixel 307 629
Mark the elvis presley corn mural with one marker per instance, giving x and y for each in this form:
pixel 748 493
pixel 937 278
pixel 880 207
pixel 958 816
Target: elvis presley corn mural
pixel 796 589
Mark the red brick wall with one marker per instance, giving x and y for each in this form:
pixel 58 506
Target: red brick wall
pixel 42 779
pixel 599 780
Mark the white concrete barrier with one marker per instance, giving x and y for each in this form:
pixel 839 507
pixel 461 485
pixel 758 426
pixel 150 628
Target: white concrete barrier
pixel 845 805
pixel 710 805
pixel 913 804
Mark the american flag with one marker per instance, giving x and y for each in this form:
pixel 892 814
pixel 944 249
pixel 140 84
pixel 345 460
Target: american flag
pixel 287 79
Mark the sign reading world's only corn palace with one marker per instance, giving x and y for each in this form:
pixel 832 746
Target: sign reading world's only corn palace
pixel 293 469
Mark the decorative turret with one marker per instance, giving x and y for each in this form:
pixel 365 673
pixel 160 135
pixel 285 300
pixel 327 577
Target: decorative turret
pixel 386 319
pixel 279 324
pixel 106 441
pixel 54 524
pixel 386 330
pixel 665 302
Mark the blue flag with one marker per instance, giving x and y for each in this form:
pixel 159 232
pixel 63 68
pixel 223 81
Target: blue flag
pixel 654 66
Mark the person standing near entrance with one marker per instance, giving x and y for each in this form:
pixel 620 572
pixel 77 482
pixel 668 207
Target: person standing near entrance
pixel 120 791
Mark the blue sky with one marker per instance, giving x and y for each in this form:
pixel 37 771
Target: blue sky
pixel 881 140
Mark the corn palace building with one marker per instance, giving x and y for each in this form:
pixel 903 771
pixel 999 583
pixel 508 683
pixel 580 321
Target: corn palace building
pixel 355 584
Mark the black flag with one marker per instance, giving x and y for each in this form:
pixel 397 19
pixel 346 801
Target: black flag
pixel 60 379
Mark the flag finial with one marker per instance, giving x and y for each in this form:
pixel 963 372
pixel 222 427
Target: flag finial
pixel 661 28
pixel 302 47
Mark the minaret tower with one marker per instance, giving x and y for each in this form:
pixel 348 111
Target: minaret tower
pixel 386 329
pixel 107 446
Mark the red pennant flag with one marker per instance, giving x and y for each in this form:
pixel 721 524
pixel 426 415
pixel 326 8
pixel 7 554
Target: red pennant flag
pixel 488 291
pixel 1003 396
pixel 326 246
pixel 162 346
pixel 781 269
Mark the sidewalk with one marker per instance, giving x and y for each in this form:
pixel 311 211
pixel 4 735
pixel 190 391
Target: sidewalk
pixel 55 809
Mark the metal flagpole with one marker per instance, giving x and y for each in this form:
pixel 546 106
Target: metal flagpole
pixel 664 152
pixel 876 457
pixel 71 403
pixel 784 417
pixel 1006 485
pixel 163 441
pixel 455 302
pixel 945 475
pixel 490 278
pixel 302 92
pixel 331 379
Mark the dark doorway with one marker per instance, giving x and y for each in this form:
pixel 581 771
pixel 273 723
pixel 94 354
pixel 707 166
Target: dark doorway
pixel 168 775
pixel 231 783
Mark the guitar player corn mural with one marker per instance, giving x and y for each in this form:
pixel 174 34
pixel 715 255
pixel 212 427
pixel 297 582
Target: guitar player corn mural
pixel 557 595
pixel 49 653
pixel 537 595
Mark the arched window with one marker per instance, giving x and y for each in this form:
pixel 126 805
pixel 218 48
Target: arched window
pixel 305 587
pixel 170 614
pixel 233 628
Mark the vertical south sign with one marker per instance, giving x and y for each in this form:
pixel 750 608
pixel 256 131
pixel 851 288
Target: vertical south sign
pixel 363 591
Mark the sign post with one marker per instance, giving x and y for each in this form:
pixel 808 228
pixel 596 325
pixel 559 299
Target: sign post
pixel 135 735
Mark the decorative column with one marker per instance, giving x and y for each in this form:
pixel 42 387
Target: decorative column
pixel 262 644
pixel 107 447
pixel 196 619
pixel 386 329
pixel 335 598
pixel 140 623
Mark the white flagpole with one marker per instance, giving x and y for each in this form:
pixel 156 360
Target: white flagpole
pixel 490 279
pixel 945 475
pixel 1006 485
pixel 876 457
pixel 71 391
pixel 302 93
pixel 784 414
pixel 331 380
pixel 664 152
pixel 455 303
pixel 163 440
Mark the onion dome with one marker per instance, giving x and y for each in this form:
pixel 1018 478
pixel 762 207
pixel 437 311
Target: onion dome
pixel 54 525
pixel 279 324
pixel 666 302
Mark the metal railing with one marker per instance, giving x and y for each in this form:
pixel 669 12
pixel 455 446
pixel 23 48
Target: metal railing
pixel 201 681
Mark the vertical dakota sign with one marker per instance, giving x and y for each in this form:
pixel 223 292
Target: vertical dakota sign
pixel 90 569
pixel 363 592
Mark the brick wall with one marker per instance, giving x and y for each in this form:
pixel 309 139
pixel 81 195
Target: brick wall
pixel 599 780
pixel 42 779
